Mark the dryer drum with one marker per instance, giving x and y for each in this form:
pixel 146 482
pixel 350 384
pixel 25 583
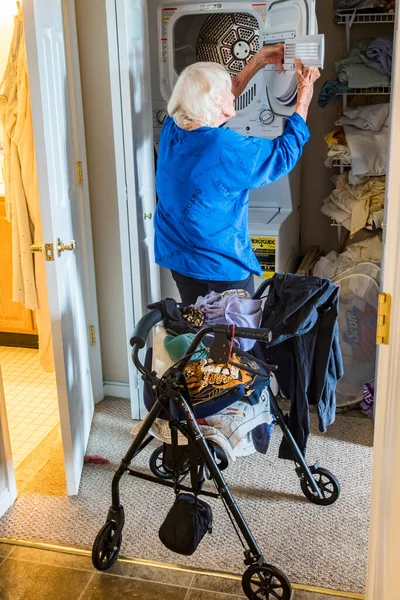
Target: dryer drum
pixel 231 39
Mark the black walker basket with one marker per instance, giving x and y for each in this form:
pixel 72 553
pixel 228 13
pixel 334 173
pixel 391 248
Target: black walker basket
pixel 260 580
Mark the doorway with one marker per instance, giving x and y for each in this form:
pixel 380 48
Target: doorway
pixel 26 354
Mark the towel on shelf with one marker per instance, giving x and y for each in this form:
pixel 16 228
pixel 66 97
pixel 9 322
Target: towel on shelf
pixel 330 90
pixel 380 52
pixel 368 150
pixel 357 71
pixel 369 118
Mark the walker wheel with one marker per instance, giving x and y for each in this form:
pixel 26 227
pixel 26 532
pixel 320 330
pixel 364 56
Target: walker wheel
pixel 265 582
pixel 156 464
pixel 327 483
pixel 106 547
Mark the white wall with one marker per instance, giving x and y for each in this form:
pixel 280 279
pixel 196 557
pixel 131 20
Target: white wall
pixel 93 55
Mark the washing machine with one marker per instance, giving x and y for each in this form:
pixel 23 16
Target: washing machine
pixel 230 33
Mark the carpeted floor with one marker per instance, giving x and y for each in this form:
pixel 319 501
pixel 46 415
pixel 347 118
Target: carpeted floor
pixel 322 546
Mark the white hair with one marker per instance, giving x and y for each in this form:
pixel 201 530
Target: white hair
pixel 193 97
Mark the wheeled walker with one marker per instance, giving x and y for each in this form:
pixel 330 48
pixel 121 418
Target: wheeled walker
pixel 202 461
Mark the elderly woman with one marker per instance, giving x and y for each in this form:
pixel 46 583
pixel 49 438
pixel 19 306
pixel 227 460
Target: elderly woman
pixel 205 172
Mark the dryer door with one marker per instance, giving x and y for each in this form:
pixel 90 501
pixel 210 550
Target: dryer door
pixel 285 21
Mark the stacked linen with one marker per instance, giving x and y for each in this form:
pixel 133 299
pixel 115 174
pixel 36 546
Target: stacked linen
pixel 358 71
pixel 356 206
pixel 337 147
pixel 368 65
pixel 367 137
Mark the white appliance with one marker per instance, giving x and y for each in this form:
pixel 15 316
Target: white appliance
pixel 182 32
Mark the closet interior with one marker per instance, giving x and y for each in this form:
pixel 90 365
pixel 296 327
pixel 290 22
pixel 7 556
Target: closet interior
pixel 358 96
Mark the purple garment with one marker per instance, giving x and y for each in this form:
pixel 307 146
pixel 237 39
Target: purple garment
pixel 367 404
pixel 231 310
pixel 380 51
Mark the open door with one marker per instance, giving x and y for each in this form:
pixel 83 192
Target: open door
pixel 133 140
pixel 8 490
pixel 67 243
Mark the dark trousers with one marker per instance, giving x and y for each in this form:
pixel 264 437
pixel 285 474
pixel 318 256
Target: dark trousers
pixel 190 289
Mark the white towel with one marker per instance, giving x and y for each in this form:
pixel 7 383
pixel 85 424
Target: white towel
pixel 368 151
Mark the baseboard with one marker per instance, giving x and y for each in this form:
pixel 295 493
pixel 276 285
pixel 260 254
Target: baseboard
pixel 19 340
pixel 117 389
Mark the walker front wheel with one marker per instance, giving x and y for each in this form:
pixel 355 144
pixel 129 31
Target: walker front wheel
pixel 327 483
pixel 106 546
pixel 265 582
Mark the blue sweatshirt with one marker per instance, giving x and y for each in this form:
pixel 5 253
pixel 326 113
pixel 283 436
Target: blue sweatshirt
pixel 203 181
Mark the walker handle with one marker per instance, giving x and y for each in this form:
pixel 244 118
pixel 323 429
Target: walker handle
pixel 144 326
pixel 261 335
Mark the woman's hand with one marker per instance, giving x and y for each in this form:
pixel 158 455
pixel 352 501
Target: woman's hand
pixel 306 77
pixel 272 55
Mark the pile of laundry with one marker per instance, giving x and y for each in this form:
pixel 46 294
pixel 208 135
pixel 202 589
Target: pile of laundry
pixel 366 66
pixel 356 206
pixel 333 265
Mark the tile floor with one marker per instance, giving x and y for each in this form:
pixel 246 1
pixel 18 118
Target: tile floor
pixel 31 399
pixel 44 575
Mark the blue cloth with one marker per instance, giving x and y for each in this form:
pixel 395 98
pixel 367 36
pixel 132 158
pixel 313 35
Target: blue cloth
pixel 203 181
pixel 330 90
pixel 302 314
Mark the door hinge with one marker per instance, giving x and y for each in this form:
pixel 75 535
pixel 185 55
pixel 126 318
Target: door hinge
pixel 92 335
pixel 79 176
pixel 383 324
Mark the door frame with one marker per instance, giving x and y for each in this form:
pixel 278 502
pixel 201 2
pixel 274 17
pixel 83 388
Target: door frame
pixel 127 194
pixel 384 533
pixel 78 135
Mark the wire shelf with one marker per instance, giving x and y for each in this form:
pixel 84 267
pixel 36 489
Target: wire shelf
pixel 353 17
pixel 339 163
pixel 374 91
pixel 335 223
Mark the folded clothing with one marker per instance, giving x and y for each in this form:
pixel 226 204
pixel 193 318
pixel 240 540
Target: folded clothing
pixel 357 71
pixel 380 52
pixel 352 205
pixel 368 118
pixel 368 150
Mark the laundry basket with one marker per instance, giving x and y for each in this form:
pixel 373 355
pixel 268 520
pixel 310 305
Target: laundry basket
pixel 358 306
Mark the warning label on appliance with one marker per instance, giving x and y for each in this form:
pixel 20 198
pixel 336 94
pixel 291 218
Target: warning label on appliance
pixel 211 6
pixel 261 9
pixel 265 250
pixel 166 15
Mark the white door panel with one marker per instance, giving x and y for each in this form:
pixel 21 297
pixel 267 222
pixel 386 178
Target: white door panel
pixel 52 104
